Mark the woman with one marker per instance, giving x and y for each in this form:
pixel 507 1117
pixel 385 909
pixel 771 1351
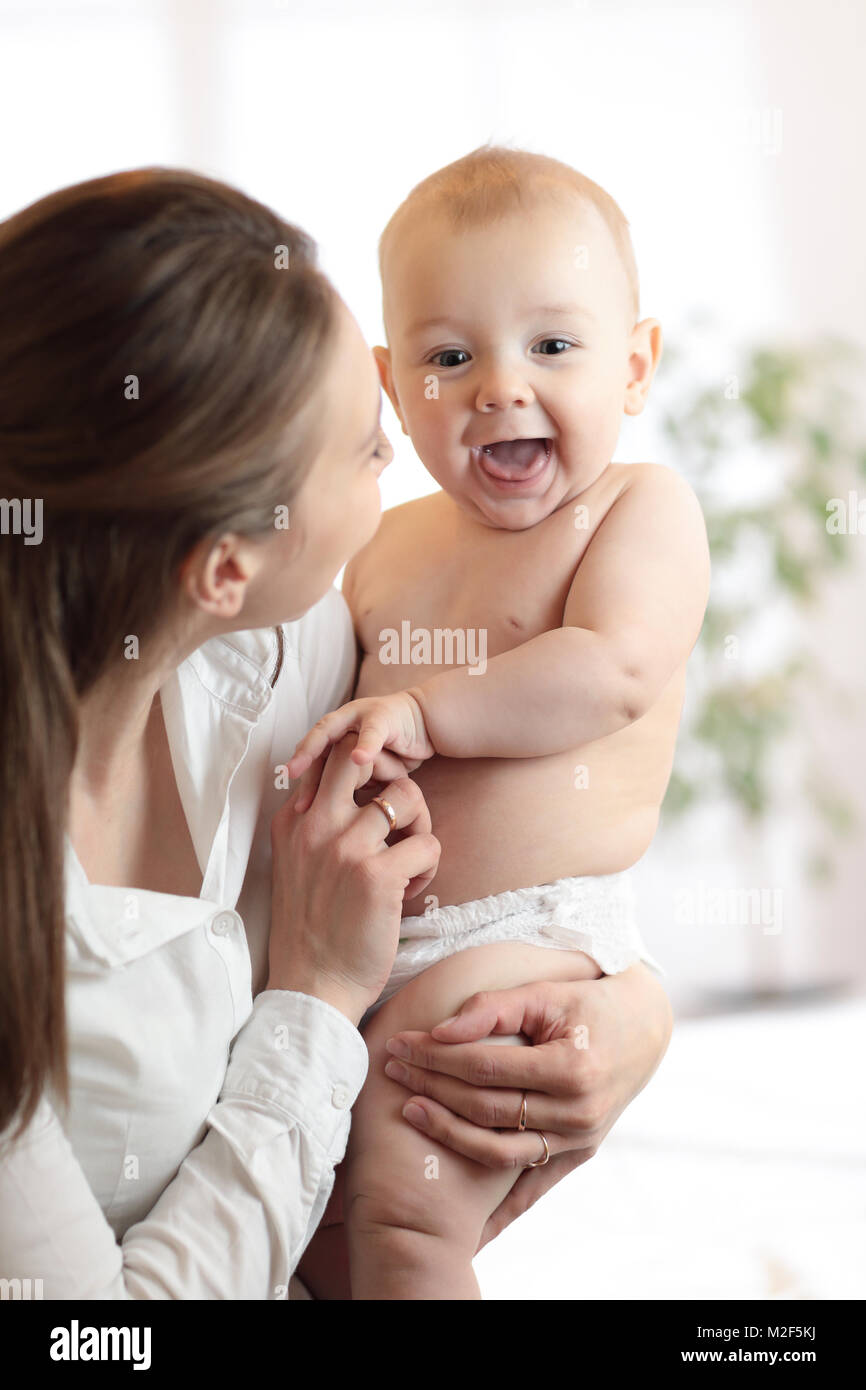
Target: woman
pixel 186 409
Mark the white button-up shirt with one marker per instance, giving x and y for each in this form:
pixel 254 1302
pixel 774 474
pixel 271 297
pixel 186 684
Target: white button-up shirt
pixel 207 1113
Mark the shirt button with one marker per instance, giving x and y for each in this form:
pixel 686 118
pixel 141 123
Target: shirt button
pixel 224 922
pixel 340 1097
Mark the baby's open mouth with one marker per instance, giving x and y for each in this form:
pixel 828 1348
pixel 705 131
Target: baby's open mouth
pixel 515 460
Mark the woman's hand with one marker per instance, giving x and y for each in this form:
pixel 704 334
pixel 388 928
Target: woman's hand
pixel 394 722
pixel 596 1045
pixel 338 886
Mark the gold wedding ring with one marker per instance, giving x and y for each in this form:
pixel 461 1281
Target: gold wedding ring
pixel 540 1162
pixel 521 1125
pixel 388 810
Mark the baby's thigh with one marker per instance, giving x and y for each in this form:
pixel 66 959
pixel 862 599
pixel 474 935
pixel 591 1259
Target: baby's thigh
pixel 397 1175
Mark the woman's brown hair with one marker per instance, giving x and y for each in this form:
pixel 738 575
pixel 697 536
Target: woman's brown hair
pixel 161 350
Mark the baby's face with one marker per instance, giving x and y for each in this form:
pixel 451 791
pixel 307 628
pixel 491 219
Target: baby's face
pixel 516 331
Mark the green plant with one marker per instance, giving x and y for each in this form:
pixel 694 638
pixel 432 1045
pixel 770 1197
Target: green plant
pixel 795 411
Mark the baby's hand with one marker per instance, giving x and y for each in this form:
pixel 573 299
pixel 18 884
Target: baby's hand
pixel 394 722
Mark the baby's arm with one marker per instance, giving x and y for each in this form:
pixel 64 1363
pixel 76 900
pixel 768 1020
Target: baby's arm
pixel 631 618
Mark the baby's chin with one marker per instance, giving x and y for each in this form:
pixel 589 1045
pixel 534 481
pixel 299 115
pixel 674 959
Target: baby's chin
pixel 498 503
pixel 512 514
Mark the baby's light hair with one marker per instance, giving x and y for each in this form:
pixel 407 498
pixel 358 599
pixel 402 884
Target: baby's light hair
pixel 493 181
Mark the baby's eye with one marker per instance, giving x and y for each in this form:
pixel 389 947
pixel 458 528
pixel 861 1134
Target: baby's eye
pixel 449 352
pixel 556 343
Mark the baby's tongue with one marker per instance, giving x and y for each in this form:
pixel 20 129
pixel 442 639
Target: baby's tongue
pixel 513 456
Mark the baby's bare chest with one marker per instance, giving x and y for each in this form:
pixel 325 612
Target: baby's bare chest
pixel 431 591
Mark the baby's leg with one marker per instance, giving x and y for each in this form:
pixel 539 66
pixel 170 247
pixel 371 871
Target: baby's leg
pixel 414 1209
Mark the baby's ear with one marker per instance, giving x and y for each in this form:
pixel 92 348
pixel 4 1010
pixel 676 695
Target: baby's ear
pixel 386 376
pixel 383 362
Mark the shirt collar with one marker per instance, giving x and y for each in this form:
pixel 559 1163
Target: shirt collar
pixel 212 705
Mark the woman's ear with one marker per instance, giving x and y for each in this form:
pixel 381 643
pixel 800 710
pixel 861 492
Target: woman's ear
pixel 216 574
pixel 386 376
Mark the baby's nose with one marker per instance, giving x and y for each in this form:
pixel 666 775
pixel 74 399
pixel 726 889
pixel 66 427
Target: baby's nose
pixel 501 388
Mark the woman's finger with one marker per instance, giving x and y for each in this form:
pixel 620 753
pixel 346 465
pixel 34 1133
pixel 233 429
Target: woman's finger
pixel 411 812
pixel 415 852
pixel 327 730
pixel 520 1009
pixel 492 1108
pixel 338 782
pixel 313 745
pixel 387 768
pixel 309 782
pixel 416 855
pixel 507 1148
pixel 548 1067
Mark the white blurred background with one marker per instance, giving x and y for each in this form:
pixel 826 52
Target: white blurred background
pixel 729 134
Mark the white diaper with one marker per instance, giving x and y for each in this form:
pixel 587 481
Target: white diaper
pixel 594 913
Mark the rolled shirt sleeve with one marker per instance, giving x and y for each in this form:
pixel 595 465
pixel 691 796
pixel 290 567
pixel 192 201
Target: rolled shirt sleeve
pixel 237 1217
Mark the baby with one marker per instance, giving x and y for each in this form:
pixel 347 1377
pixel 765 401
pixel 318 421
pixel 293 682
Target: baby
pixel 524 632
